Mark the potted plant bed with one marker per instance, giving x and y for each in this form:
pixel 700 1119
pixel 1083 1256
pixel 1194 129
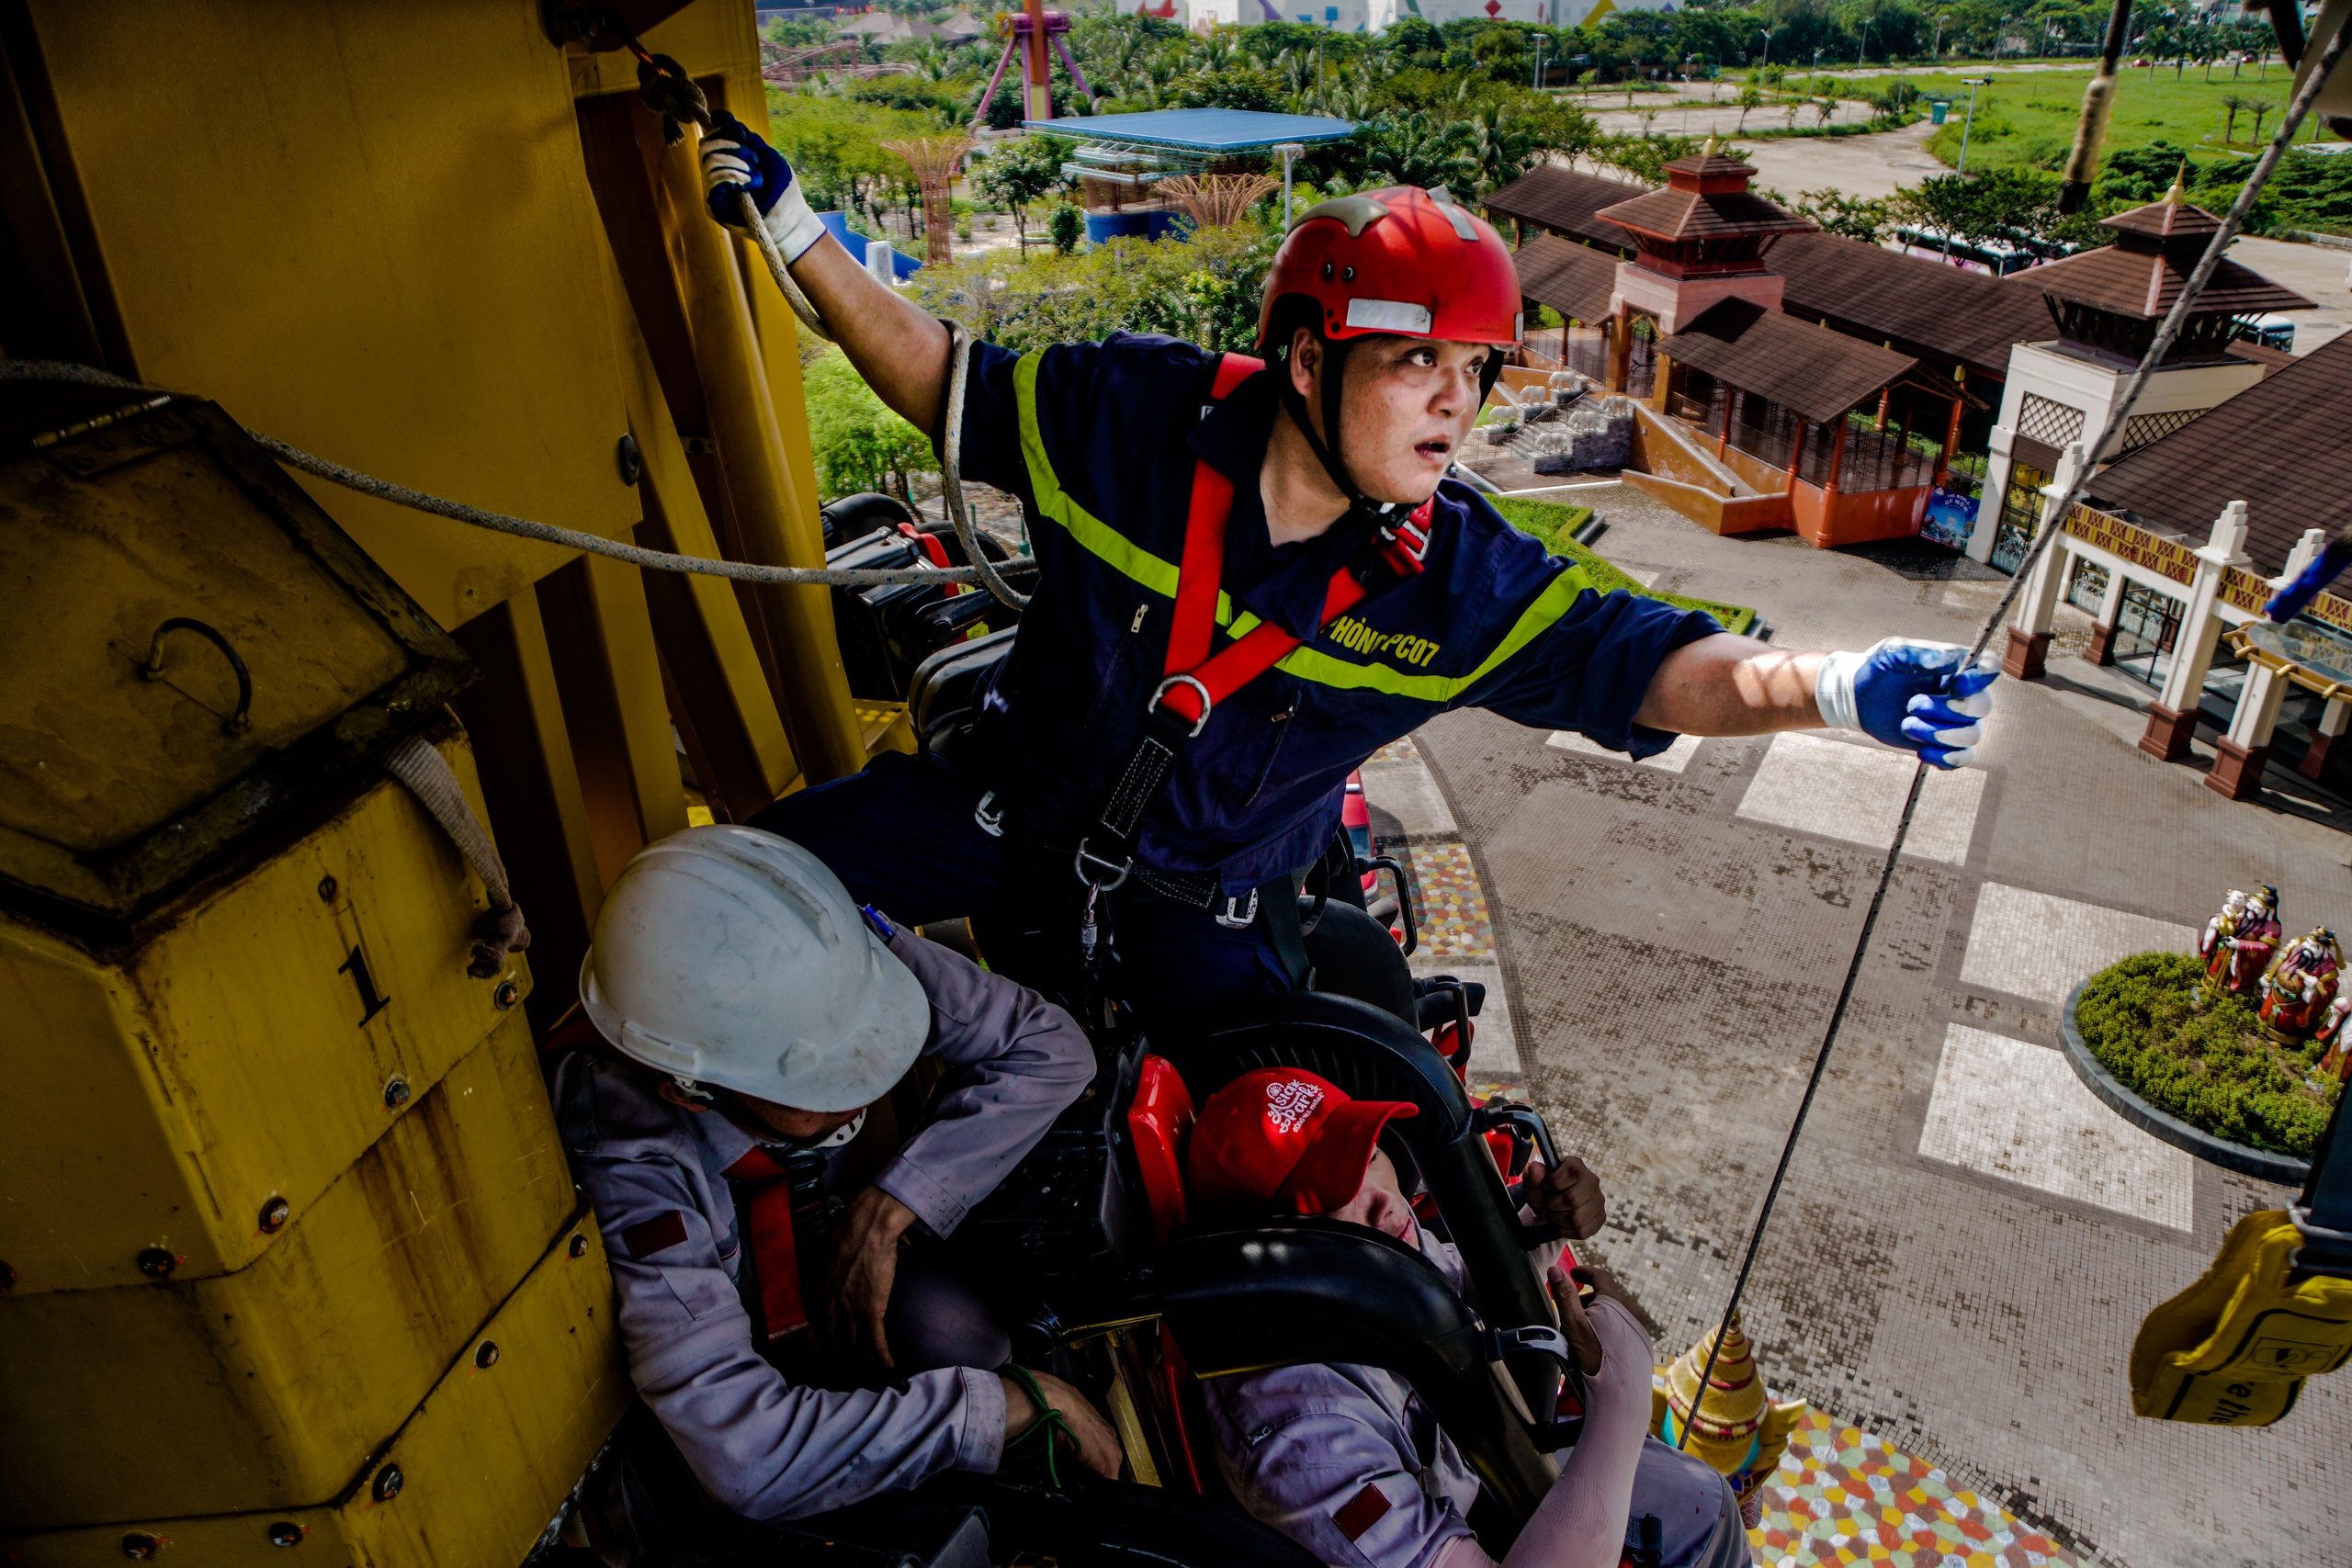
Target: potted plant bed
pixel 2197 1069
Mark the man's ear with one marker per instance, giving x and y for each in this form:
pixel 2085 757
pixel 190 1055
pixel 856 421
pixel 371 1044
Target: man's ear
pixel 668 1089
pixel 1305 359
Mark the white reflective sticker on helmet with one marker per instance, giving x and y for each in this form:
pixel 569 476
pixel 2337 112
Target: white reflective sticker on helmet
pixel 1388 316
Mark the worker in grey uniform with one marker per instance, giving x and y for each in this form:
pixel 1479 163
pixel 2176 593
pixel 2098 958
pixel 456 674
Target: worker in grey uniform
pixel 750 1014
pixel 1346 1459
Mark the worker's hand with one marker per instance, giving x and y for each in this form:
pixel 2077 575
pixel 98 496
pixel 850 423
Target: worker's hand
pixel 1098 1445
pixel 1923 696
pixel 1568 1199
pixel 736 162
pixel 865 1266
pixel 1574 1325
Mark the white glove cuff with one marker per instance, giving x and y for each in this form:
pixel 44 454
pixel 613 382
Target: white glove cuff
pixel 792 224
pixel 1833 689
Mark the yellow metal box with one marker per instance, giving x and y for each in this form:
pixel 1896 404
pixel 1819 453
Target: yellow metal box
pixel 200 1090
pixel 269 1387
pixel 472 1479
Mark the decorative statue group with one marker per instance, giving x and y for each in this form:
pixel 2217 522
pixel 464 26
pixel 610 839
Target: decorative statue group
pixel 2299 984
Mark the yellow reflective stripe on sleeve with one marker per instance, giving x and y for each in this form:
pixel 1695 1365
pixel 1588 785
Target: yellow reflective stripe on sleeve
pixel 1312 664
pixel 1131 560
pixel 1097 537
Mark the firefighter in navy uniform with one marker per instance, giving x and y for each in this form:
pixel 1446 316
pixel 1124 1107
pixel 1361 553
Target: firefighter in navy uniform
pixel 1162 763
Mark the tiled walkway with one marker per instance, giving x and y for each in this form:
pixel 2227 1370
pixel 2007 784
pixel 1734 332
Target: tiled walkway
pixel 1841 1496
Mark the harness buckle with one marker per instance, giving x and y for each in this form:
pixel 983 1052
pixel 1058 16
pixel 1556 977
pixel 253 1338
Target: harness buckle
pixel 1207 702
pixel 990 822
pixel 1086 858
pixel 1240 919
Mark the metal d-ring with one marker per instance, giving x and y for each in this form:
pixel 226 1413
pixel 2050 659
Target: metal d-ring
pixel 242 720
pixel 1207 702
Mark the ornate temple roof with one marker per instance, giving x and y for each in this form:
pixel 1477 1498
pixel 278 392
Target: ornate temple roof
pixel 1706 198
pixel 2140 275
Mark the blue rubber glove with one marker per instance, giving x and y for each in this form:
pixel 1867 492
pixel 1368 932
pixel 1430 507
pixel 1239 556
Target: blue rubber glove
pixel 735 161
pixel 1922 696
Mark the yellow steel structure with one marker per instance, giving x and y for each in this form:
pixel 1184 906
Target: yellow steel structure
pixel 288 1254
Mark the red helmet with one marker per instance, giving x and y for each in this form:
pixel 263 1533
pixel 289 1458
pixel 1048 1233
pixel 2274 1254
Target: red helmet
pixel 1398 260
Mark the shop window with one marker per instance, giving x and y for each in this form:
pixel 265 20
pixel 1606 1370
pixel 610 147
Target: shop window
pixel 2020 516
pixel 2086 588
pixel 2147 627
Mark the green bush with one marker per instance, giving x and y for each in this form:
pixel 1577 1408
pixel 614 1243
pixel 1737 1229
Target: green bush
pixel 2204 1059
pixel 858 443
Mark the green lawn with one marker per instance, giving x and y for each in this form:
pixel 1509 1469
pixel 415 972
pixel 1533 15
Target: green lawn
pixel 2027 120
pixel 1552 522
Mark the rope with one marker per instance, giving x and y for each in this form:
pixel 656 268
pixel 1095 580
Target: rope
pixel 520 527
pixel 1049 1422
pixel 2050 519
pixel 951 456
pixel 429 777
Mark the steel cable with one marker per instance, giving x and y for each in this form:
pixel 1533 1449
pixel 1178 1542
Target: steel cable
pixel 524 528
pixel 2053 520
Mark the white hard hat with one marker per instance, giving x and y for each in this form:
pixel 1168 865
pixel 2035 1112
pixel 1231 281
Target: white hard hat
pixel 732 956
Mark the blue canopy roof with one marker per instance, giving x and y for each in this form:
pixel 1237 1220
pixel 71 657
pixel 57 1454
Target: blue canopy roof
pixel 1198 130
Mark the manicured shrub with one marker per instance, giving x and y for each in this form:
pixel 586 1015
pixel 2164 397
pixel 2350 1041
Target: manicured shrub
pixel 2204 1059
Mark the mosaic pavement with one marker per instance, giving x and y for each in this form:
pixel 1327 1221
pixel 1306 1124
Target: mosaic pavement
pixel 1448 905
pixel 1843 1496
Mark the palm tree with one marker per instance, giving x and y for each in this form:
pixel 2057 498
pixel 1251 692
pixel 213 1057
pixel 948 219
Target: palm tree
pixel 2231 105
pixel 2260 109
pixel 1823 109
pixel 1500 148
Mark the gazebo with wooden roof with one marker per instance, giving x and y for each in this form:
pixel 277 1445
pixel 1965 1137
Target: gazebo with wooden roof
pixel 2113 300
pixel 1697 243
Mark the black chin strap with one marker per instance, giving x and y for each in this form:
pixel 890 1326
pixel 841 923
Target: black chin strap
pixel 1334 373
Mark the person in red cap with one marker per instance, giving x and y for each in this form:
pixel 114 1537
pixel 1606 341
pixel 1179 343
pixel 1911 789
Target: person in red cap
pixel 1345 1460
pixel 1251 577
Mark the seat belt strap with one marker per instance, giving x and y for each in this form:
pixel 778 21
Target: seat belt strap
pixel 1195 680
pixel 765 1192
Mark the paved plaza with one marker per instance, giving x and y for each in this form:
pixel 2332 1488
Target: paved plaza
pixel 1968 1240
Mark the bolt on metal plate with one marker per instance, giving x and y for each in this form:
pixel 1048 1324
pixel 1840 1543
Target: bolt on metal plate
pixel 389 1482
pixel 395 1092
pixel 157 1262
pixel 275 1213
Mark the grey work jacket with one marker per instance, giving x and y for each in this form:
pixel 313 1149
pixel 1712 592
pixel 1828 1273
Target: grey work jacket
pixel 1301 1447
pixel 760 1446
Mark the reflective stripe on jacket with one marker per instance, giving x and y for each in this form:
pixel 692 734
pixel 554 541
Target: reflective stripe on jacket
pixel 1098 442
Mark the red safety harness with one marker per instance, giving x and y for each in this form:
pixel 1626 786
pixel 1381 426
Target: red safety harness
pixel 1196 680
pixel 771 1223
pixel 764 1202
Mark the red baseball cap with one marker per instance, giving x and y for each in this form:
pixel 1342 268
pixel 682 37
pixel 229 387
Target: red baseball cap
pixel 1283 1138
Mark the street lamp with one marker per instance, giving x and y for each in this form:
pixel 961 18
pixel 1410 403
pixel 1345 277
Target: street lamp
pixel 1940 35
pixel 1288 150
pixel 1539 40
pixel 1972 84
pixel 1768 46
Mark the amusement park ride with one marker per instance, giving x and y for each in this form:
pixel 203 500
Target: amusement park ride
pixel 292 1261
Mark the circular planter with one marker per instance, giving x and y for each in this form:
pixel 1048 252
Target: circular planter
pixel 2285 1170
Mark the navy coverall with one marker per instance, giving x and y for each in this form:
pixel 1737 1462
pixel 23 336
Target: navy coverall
pixel 1099 442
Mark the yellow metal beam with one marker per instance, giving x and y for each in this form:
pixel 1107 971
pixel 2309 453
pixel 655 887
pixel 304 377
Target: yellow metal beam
pixel 380 248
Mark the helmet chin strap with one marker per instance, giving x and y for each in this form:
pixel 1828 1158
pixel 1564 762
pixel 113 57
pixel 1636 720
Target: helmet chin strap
pixel 1334 373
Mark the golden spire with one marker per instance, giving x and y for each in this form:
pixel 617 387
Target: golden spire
pixel 2179 191
pixel 1709 149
